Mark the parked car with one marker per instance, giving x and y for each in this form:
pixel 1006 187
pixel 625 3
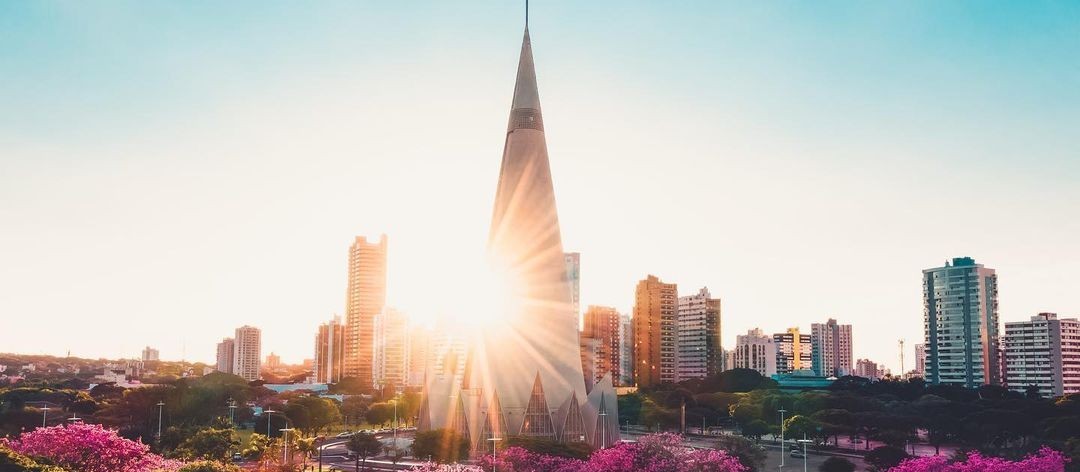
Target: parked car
pixel 797 453
pixel 237 457
pixel 344 434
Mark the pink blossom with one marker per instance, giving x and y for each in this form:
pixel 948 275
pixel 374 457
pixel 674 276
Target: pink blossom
pixel 1046 460
pixel 89 448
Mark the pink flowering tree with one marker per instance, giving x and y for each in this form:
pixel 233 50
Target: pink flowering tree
pixel 1046 460
pixel 654 453
pixel 89 448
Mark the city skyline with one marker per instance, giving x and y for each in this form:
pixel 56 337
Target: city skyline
pixel 149 212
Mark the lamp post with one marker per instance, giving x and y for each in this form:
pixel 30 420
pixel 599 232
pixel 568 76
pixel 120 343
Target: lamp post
pixel 44 410
pixel 285 439
pixel 269 414
pixel 161 408
pixel 74 419
pixel 804 442
pixel 493 440
pixel 232 411
pixel 782 445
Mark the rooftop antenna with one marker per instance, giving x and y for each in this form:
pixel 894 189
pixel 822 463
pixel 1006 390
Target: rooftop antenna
pixel 526 14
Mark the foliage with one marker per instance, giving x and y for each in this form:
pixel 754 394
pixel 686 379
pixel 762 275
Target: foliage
pixel 208 466
pixel 380 413
pixel 750 455
pixel 884 457
pixel 209 444
pixel 258 445
pixel 1046 460
pixel 653 453
pixel 837 464
pixel 551 447
pixel 354 408
pixel 440 445
pixel 87 448
pixel 312 414
pixel 11 461
pixel 363 445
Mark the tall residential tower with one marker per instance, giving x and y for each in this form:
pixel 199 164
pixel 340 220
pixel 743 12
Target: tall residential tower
pixel 656 306
pixel 365 298
pixel 960 324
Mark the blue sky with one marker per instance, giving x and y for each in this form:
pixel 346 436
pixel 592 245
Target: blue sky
pixel 210 162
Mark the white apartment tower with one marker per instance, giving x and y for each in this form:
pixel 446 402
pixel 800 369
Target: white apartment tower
pixel 755 350
pixel 226 350
pixel 1043 352
pixel 698 343
pixel 247 354
pixel 831 348
pixel 960 324
pixel 391 349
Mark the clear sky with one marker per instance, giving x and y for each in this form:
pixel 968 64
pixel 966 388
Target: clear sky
pixel 172 170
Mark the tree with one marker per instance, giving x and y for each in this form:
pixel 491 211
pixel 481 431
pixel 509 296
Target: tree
pixel 15 462
pixel 885 457
pixel 354 408
pixel 573 450
pixel 87 448
pixel 208 466
pixel 1045 460
pixel 209 444
pixel 837 464
pixel 750 455
pixel 380 413
pixel 364 445
pixel 755 429
pixel 800 426
pixel 440 445
pixel 258 444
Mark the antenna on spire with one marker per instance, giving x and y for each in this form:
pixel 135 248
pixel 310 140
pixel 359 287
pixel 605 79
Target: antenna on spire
pixel 526 14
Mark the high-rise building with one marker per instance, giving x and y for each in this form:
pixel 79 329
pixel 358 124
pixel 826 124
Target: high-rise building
pixel 329 351
pixel 755 350
pixel 420 348
pixel 960 321
pixel 247 355
pixel 391 349
pixel 920 360
pixel 365 299
pixel 626 350
pixel 729 359
pixel 591 360
pixel 273 361
pixel 602 324
pixel 831 348
pixel 794 351
pixel 524 373
pixel 656 306
pixel 1043 352
pixel 698 326
pixel 226 352
pixel 869 369
pixel 150 354
pixel 573 279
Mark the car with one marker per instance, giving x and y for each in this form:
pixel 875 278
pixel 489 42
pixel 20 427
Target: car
pixel 237 457
pixel 797 453
pixel 344 434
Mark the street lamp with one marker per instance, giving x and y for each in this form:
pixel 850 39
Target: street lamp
pixel 804 442
pixel 74 419
pixel 268 417
pixel 232 411
pixel 161 407
pixel 44 410
pixel 285 439
pixel 782 445
pixel 493 440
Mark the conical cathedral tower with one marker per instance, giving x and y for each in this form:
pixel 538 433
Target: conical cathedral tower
pixel 525 376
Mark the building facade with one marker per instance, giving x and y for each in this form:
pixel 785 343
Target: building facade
pixel 329 351
pixel 391 349
pixel 700 353
pixel 656 306
pixel 831 348
pixel 602 324
pixel 920 360
pixel 150 354
pixel 626 351
pixel 794 351
pixel 365 299
pixel 226 350
pixel 960 324
pixel 247 357
pixel 869 369
pixel 1043 352
pixel 755 350
pixel 573 279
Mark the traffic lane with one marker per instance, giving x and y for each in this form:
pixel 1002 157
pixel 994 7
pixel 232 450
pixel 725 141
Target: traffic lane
pixel 813 461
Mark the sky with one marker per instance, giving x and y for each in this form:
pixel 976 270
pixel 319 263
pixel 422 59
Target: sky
pixel 171 171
